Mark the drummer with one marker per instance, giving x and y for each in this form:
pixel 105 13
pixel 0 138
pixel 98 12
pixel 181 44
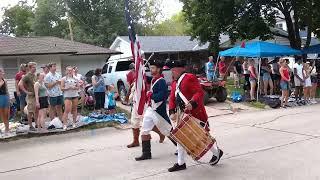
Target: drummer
pixel 186 95
pixel 155 117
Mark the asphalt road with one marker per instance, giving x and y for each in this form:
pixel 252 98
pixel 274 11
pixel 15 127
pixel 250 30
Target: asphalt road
pixel 273 144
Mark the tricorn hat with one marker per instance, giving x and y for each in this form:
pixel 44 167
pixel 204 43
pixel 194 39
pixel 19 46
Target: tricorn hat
pixel 156 62
pixel 175 63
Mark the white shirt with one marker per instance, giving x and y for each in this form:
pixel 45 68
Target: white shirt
pixel 78 77
pixel 299 69
pixel 55 91
pixel 70 82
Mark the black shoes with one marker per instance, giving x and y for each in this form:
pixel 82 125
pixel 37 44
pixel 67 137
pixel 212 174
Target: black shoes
pixel 146 151
pixel 177 167
pixel 214 160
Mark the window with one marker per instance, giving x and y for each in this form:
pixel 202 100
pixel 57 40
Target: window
pixel 123 65
pixel 105 69
pixel 110 69
pixel 280 26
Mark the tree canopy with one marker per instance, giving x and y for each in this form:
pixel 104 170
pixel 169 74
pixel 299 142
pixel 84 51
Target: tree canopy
pixel 17 20
pixel 93 21
pixel 248 19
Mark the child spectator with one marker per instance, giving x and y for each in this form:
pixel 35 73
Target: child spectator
pixel 110 101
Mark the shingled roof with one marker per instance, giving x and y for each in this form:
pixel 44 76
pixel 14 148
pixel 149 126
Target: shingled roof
pixel 15 46
pixel 171 43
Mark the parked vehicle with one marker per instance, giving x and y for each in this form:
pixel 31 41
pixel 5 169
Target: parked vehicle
pixel 115 72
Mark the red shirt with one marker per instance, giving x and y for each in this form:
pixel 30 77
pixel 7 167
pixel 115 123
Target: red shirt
pixel 252 70
pixel 222 67
pixel 131 77
pixel 19 75
pixel 285 74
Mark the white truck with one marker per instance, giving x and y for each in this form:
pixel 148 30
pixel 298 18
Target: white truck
pixel 115 72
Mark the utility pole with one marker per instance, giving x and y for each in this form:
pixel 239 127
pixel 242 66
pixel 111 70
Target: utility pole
pixel 69 20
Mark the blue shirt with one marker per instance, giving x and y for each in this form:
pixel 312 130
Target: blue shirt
pixel 100 87
pixel 109 100
pixel 210 68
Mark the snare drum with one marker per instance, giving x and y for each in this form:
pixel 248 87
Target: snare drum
pixel 193 137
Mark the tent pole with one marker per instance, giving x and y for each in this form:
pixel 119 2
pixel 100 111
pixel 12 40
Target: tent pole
pixel 215 68
pixel 259 64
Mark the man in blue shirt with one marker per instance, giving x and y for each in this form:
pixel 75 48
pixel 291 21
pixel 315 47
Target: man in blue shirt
pixel 210 69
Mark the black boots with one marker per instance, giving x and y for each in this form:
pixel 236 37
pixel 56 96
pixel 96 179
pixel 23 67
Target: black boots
pixel 177 167
pixel 146 148
pixel 214 160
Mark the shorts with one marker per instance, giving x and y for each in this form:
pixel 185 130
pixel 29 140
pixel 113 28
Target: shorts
pixel 56 101
pixel 31 104
pixel 43 102
pixel 308 83
pixel 266 77
pixel 22 99
pixel 276 77
pixel 297 82
pixel 252 80
pixel 314 79
pixel 70 98
pixel 284 85
pixel 4 101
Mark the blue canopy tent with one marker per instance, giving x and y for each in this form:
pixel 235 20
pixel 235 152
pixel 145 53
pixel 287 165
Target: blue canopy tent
pixel 312 49
pixel 259 49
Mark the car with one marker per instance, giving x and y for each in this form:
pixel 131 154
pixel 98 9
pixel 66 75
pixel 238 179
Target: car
pixel 115 72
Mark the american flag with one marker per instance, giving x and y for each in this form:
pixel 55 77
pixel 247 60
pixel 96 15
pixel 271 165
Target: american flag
pixel 140 91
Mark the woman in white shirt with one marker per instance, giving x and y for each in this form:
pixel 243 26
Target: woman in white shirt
pixel 70 88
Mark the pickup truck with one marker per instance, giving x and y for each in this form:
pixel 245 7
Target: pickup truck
pixel 115 72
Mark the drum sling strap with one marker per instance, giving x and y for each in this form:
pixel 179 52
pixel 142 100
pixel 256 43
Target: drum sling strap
pixel 184 99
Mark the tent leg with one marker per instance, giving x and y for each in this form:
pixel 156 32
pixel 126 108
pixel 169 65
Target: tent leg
pixel 215 69
pixel 259 64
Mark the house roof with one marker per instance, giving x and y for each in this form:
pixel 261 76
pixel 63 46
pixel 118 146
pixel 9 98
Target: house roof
pixel 171 43
pixel 14 46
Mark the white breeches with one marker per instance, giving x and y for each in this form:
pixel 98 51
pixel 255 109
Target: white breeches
pixel 135 119
pixel 152 118
pixel 182 152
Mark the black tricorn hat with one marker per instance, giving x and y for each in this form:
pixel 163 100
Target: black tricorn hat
pixel 175 63
pixel 156 62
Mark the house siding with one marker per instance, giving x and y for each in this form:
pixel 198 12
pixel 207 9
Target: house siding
pixel 84 63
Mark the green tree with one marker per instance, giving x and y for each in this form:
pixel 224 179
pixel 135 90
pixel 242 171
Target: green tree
pixel 49 19
pixel 175 26
pixel 248 19
pixel 17 20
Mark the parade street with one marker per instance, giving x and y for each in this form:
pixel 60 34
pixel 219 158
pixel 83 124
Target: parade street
pixel 270 144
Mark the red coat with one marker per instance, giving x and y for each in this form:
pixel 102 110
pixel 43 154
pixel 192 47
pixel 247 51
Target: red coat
pixel 191 89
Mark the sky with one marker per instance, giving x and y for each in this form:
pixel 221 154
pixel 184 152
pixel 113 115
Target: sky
pixel 169 7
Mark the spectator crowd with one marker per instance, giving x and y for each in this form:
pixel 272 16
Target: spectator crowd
pixel 48 94
pixel 278 76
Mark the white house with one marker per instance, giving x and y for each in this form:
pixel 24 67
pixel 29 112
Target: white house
pixel 43 50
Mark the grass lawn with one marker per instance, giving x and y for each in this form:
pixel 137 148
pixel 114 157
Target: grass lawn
pixel 230 87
